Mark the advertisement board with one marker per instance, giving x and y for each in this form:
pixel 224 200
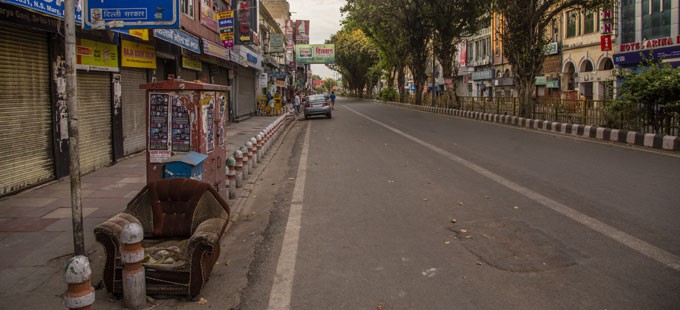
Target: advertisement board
pixel 138 55
pixel 301 32
pixel 96 56
pixel 315 53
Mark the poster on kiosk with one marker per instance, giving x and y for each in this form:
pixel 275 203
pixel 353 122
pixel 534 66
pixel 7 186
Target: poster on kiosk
pixel 185 118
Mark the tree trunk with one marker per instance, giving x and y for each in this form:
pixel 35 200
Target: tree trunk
pixel 400 84
pixel 526 103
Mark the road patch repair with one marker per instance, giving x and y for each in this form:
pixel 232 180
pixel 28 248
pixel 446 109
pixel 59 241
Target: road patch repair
pixel 516 246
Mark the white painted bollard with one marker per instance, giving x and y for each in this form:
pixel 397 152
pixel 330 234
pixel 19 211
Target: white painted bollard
pixel 238 155
pixel 132 255
pixel 231 176
pixel 80 293
pixel 252 148
pixel 246 167
pixel 251 162
pixel 260 150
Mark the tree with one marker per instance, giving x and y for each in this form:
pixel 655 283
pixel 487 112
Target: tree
pixel 354 57
pixel 403 22
pixel 654 92
pixel 388 37
pixel 451 21
pixel 523 35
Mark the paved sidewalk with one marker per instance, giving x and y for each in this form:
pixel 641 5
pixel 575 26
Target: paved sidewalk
pixel 36 235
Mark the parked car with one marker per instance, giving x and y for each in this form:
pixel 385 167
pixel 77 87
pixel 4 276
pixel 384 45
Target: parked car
pixel 317 105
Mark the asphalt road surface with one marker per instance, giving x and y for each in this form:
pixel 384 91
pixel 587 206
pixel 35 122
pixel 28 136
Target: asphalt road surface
pixel 386 208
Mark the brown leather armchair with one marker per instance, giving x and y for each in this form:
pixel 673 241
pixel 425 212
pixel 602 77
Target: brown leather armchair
pixel 183 221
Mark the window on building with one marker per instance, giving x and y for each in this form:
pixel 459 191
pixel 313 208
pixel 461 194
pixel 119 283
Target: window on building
pixel 187 7
pixel 656 19
pixel 627 21
pixel 572 23
pixel 590 22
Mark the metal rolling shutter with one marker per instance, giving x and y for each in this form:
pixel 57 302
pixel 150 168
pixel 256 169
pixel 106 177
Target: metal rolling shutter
pixel 246 92
pixel 134 110
pixel 26 155
pixel 94 115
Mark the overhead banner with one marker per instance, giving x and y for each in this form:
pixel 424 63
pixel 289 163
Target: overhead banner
pixel 138 55
pixel 301 32
pixel 315 53
pixel 130 14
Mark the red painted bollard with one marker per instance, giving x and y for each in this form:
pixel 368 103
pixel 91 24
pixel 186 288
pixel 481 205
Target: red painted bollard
pixel 80 293
pixel 132 255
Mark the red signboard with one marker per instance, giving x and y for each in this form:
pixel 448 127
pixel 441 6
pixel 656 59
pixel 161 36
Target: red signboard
pixel 606 43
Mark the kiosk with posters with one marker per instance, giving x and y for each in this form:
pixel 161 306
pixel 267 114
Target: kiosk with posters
pixel 184 117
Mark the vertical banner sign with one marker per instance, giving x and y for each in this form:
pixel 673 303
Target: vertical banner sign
pixel 290 42
pixel 225 23
pixel 301 32
pixel 246 21
pixel 607 21
pixel 606 42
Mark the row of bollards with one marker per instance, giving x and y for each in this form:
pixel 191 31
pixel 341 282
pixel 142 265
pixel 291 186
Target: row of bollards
pixel 246 158
pixel 77 272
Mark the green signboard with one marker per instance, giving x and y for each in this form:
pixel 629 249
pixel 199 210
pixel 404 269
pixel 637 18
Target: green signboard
pixel 315 53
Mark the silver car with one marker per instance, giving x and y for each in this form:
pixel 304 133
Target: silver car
pixel 317 105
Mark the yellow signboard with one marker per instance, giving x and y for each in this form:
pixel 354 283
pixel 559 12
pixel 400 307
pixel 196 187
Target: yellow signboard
pixel 96 56
pixel 192 63
pixel 140 33
pixel 138 55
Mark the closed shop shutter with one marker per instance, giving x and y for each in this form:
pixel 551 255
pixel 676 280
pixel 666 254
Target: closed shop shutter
pixel 134 110
pixel 246 92
pixel 26 152
pixel 94 115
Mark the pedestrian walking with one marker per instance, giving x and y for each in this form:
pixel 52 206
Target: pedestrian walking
pixel 332 100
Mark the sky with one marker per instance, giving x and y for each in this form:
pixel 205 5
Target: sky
pixel 324 21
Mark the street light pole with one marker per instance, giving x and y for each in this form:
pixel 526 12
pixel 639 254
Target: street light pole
pixel 73 135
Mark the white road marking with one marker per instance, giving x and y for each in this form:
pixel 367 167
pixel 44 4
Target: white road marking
pixel 660 255
pixel 282 288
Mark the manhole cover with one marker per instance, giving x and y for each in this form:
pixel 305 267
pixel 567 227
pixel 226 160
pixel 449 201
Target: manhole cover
pixel 515 246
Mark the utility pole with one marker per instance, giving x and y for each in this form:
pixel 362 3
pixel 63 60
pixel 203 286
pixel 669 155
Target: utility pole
pixel 73 136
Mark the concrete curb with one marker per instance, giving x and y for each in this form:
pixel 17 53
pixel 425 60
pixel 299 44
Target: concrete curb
pixel 670 143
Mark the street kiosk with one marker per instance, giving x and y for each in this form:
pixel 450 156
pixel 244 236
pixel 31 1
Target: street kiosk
pixel 185 117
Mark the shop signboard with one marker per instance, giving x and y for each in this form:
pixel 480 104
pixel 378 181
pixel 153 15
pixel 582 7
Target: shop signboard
pixel 138 55
pixel 130 14
pixel 47 7
pixel 180 38
pixel 213 49
pixel 193 63
pixel 96 56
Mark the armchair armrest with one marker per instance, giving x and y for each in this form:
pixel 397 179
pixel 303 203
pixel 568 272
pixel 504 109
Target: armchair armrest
pixel 113 226
pixel 208 233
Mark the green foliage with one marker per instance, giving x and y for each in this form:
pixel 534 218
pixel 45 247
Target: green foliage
pixel 651 93
pixel 355 56
pixel 388 94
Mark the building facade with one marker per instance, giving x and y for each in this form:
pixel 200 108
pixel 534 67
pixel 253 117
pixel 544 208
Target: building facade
pixel 111 66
